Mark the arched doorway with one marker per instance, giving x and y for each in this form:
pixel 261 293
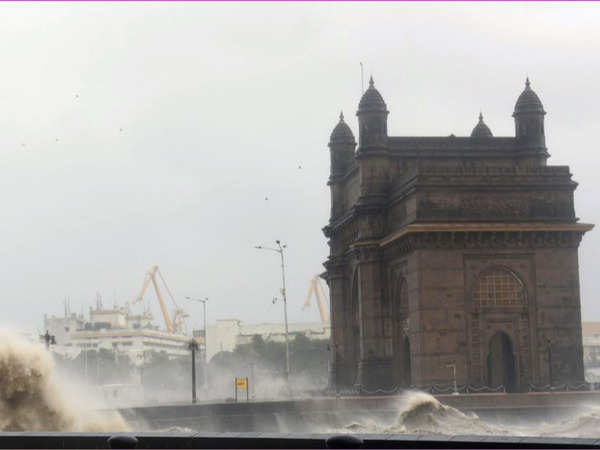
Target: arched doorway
pixel 500 292
pixel 501 363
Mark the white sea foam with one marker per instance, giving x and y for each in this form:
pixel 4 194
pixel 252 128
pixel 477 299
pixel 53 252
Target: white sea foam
pixel 34 398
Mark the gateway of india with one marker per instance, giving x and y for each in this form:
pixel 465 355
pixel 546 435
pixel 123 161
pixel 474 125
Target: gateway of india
pixel 452 258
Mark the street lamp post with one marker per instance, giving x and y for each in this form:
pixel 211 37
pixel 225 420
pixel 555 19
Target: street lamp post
pixel 279 250
pixel 204 362
pixel 193 346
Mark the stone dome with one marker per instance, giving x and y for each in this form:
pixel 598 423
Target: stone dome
pixel 371 99
pixel 528 101
pixel 481 130
pixel 342 132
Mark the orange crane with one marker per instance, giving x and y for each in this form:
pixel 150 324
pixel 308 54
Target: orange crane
pixel 316 289
pixel 176 325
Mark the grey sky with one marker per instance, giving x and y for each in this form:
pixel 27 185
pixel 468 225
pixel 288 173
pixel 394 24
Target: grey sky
pixel 175 121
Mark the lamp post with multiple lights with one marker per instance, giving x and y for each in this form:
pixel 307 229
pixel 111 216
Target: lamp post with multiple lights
pixel 280 248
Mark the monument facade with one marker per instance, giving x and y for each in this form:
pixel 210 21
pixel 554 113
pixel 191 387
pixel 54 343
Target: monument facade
pixel 452 257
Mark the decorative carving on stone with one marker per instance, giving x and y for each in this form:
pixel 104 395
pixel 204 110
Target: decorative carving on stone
pixel 494 208
pixel 478 206
pixel 482 240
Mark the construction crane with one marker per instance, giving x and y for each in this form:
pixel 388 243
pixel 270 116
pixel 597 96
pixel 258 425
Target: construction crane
pixel 316 289
pixel 176 325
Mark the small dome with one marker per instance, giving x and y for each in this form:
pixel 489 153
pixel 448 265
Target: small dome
pixel 342 132
pixel 528 101
pixel 372 99
pixel 481 130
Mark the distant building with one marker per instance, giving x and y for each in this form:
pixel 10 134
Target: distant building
pixel 119 318
pixel 226 334
pixel 136 344
pixel 222 336
pixel 452 252
pixel 118 330
pixel 62 328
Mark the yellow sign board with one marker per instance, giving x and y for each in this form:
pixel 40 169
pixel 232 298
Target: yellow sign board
pixel 241 383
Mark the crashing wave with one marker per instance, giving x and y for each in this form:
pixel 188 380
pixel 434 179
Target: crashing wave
pixel 32 399
pixel 585 424
pixel 421 413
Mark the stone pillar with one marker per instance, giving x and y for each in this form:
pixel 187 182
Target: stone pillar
pixel 375 369
pixel 337 294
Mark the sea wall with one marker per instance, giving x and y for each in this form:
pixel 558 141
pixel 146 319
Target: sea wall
pixel 332 414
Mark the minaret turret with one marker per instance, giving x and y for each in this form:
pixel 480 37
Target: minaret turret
pixel 372 119
pixel 529 120
pixel 341 149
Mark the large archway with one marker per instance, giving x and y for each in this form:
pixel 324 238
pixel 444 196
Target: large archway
pixel 500 296
pixel 501 366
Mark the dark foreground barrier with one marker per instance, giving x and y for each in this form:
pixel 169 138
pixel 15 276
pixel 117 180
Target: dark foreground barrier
pixel 267 440
pixel 326 415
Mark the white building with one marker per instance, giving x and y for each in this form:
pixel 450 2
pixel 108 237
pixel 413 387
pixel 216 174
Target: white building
pixel 62 328
pixel 116 329
pixel 226 334
pixel 136 344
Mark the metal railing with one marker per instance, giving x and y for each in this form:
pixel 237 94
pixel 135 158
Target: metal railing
pixel 441 389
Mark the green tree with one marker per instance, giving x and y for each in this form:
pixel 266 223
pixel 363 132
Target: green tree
pixel 307 358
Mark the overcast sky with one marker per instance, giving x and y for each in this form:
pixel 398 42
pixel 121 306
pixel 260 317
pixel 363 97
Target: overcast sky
pixel 140 134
